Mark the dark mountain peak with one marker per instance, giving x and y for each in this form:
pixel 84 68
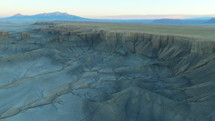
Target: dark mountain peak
pixel 18 15
pixel 54 14
pixel 58 13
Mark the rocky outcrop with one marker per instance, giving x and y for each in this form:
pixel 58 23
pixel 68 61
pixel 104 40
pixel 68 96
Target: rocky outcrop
pixel 87 74
pixel 4 34
pixel 25 35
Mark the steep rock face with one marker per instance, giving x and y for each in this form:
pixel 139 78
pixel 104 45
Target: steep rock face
pixel 173 50
pixel 84 74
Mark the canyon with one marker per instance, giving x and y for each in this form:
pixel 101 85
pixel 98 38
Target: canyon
pixel 57 71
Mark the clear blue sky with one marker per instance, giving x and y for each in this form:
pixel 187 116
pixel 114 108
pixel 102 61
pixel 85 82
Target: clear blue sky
pixel 93 8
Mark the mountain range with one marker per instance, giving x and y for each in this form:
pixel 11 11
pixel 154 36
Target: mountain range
pixel 55 16
pixel 59 16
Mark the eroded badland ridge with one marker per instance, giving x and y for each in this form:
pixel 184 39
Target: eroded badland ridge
pixel 57 72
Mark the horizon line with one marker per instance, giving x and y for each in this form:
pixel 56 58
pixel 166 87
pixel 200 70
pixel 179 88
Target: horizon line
pixel 129 16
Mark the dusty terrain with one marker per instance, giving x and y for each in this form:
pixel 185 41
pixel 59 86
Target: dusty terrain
pixel 90 72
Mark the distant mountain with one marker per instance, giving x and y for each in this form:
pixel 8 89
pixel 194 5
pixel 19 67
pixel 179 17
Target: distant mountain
pixel 169 21
pixel 179 21
pixel 59 16
pixel 212 20
pixel 199 18
pixel 55 16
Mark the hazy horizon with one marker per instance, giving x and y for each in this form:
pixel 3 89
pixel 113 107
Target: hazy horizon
pixel 104 8
pixel 161 16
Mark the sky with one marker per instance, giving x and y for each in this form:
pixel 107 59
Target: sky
pixel 102 8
